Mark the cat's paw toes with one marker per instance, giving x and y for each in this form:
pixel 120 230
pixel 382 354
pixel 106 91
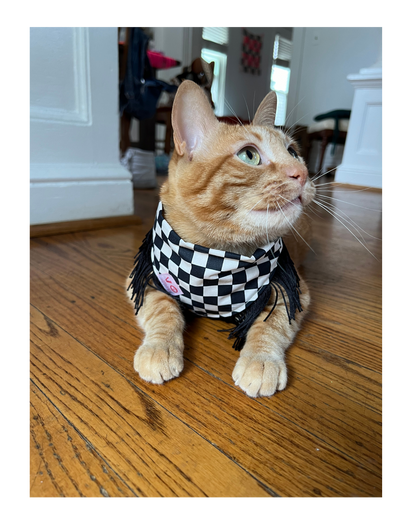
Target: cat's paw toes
pixel 260 375
pixel 157 364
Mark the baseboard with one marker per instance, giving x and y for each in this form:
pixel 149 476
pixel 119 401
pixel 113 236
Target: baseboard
pixel 67 227
pixel 77 172
pixel 360 176
pixel 79 191
pixel 54 202
pixel 354 187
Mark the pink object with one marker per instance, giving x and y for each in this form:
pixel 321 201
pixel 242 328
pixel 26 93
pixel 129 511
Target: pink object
pixel 158 60
pixel 169 284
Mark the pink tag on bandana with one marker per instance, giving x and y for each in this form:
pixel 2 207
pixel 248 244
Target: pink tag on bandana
pixel 169 284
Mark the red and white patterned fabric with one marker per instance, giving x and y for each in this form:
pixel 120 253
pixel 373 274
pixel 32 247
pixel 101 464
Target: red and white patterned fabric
pixel 251 53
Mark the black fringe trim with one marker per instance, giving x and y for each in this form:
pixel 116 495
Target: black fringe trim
pixel 142 274
pixel 284 277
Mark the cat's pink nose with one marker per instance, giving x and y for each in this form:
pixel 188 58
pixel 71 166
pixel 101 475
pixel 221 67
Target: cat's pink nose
pixel 297 173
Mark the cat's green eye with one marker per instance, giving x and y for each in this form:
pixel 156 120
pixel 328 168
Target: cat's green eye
pixel 250 155
pixel 293 152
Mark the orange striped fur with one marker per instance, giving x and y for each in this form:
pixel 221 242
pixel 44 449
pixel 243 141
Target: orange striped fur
pixel 213 198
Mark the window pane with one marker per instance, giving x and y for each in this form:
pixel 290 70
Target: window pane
pixel 218 85
pixel 280 77
pixel 216 34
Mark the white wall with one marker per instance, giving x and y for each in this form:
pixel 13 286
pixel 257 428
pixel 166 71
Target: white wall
pixel 75 169
pixel 322 59
pixel 242 87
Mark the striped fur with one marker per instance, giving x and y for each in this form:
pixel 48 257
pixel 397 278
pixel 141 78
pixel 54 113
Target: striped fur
pixel 213 198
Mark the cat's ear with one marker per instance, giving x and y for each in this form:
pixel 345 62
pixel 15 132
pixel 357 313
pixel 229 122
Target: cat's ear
pixel 265 115
pixel 192 118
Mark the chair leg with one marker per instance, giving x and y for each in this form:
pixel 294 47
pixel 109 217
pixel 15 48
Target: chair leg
pixel 125 124
pixel 324 143
pixel 307 150
pixel 168 137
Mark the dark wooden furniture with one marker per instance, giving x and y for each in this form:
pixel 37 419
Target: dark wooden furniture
pixel 325 136
pixel 163 116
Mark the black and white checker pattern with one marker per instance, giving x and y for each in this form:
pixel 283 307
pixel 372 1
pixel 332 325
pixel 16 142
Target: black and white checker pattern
pixel 214 283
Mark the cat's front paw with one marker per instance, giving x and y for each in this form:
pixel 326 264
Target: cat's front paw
pixel 260 375
pixel 158 363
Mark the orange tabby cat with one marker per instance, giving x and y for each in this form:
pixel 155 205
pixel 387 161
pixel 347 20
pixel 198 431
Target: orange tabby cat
pixel 233 188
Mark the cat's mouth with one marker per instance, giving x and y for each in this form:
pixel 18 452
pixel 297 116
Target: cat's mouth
pixel 277 217
pixel 296 202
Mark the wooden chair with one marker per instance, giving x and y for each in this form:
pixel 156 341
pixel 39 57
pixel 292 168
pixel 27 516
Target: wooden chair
pixel 325 136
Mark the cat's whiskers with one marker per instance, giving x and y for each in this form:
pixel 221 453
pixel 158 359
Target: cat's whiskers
pixel 347 202
pixel 283 198
pixel 301 237
pixel 298 120
pixel 233 111
pixel 332 207
pixel 334 183
pixel 248 113
pixel 315 177
pixel 349 220
pixel 291 134
pixel 312 210
pixel 330 189
pixel 292 110
pixel 329 211
pixel 239 121
pixel 291 229
pixel 319 175
pixel 254 206
pixel 266 225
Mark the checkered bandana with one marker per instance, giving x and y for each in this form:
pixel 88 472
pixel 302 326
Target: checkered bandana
pixel 209 282
pixel 214 283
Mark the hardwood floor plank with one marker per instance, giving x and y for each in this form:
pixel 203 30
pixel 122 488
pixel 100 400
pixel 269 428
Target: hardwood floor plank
pixel 62 462
pixel 155 453
pixel 313 403
pixel 66 227
pixel 241 427
pixel 365 353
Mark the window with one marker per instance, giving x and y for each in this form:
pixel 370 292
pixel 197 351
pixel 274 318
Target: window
pixel 280 76
pixel 215 46
pixel 217 35
pixel 218 84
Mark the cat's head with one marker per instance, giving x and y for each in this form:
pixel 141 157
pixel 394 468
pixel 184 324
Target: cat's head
pixel 231 185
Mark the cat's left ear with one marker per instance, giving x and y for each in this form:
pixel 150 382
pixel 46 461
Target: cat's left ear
pixel 192 118
pixel 265 115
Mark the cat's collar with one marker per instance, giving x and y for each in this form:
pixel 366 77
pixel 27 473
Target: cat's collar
pixel 212 282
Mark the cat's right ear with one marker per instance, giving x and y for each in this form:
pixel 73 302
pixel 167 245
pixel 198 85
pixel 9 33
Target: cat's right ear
pixel 265 115
pixel 192 118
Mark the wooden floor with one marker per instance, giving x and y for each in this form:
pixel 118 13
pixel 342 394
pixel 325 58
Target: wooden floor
pixel 98 430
